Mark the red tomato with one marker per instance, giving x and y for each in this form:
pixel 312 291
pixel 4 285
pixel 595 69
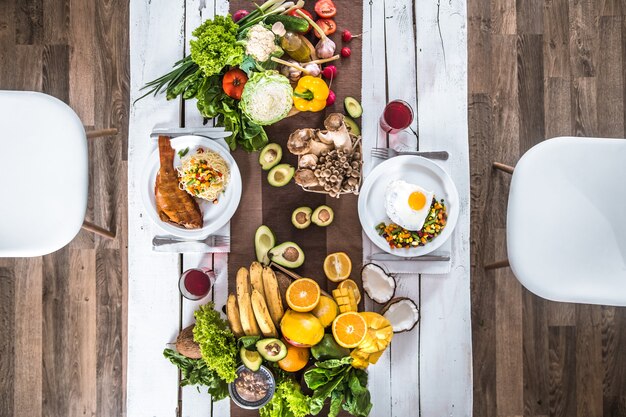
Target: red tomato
pixel 233 83
pixel 295 13
pixel 327 25
pixel 325 8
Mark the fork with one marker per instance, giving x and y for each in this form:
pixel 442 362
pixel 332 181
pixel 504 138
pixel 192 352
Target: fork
pixel 386 153
pixel 211 241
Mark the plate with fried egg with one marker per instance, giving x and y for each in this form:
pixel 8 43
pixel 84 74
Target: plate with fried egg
pixel 407 193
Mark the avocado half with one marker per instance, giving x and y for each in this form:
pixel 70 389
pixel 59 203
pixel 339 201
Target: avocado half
pixel 301 217
pixel 287 254
pixel 352 126
pixel 353 107
pixel 270 156
pixel 280 175
pixel 251 359
pixel 272 349
pixel 264 240
pixel 323 216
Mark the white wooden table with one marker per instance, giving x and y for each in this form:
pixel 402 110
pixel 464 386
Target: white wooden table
pixel 424 62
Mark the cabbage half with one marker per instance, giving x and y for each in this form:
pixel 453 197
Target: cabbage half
pixel 266 98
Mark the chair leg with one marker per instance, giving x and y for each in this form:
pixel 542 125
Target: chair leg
pixel 504 168
pixel 101 133
pixel 98 230
pixel 497 265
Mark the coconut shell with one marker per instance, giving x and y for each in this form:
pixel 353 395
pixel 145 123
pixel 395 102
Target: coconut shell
pixel 396 300
pixel 395 283
pixel 186 346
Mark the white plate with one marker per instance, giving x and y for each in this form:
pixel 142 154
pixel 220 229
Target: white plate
pixel 215 215
pixel 416 170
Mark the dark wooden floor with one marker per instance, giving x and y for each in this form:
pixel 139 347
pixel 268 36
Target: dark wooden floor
pixel 539 69
pixel 63 316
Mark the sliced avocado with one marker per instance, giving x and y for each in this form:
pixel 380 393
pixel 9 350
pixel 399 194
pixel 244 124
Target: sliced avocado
pixel 270 156
pixel 301 217
pixel 323 216
pixel 251 359
pixel 271 349
pixel 264 240
pixel 328 349
pixel 280 175
pixel 352 126
pixel 353 107
pixel 287 254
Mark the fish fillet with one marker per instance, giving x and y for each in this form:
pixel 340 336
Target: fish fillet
pixel 173 204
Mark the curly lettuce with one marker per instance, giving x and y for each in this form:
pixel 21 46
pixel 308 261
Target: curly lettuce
pixel 216 45
pixel 288 401
pixel 217 343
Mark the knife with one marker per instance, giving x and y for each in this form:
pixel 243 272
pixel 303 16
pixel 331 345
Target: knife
pixel 393 258
pixel 190 247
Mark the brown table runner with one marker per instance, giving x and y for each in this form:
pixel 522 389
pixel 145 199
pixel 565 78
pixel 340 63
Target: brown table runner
pixel 263 204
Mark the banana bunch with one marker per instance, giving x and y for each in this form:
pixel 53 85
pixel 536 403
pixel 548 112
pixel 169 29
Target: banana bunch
pixel 257 306
pixel 377 338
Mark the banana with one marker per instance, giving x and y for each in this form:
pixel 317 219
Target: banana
pixel 232 311
pixel 256 271
pixel 263 317
pixel 272 295
pixel 246 315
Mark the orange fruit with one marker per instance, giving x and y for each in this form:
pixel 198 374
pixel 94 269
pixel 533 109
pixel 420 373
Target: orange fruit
pixel 337 266
pixel 303 295
pixel 352 286
pixel 326 310
pixel 349 329
pixel 296 359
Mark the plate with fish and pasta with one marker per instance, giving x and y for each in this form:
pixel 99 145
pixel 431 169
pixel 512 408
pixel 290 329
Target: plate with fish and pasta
pixel 192 186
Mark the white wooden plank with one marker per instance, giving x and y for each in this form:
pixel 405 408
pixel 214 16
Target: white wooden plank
pixel 373 99
pixel 446 348
pixel 153 300
pixel 199 403
pixel 402 84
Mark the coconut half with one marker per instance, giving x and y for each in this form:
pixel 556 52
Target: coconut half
pixel 402 313
pixel 378 285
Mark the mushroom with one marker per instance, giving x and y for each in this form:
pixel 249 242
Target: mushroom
pixel 322 136
pixel 337 133
pixel 308 161
pixel 302 142
pixel 306 178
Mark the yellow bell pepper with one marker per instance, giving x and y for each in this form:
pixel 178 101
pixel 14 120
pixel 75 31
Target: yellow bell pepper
pixel 310 94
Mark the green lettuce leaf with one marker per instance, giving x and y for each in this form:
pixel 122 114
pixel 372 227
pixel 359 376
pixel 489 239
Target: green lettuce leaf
pixel 215 46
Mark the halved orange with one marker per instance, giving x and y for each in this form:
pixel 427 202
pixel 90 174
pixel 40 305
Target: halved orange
pixel 337 266
pixel 349 329
pixel 303 295
pixel 350 284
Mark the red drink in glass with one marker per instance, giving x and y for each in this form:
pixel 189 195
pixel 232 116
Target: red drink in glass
pixel 396 117
pixel 196 283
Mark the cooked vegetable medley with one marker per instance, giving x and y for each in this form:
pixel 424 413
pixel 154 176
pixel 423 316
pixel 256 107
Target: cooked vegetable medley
pixel 398 237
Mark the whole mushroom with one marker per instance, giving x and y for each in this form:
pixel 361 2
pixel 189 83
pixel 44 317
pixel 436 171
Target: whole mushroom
pixel 308 161
pixel 337 132
pixel 306 178
pixel 302 142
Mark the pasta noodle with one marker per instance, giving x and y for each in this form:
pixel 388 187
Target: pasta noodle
pixel 203 174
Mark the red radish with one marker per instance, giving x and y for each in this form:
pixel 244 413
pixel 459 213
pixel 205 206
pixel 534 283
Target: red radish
pixel 346 52
pixel 240 14
pixel 347 36
pixel 331 98
pixel 329 72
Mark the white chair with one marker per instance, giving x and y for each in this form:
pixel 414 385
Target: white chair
pixel 566 220
pixel 43 174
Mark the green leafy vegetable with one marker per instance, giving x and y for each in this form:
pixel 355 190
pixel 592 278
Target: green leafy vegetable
pixel 345 385
pixel 217 343
pixel 196 372
pixel 288 401
pixel 248 341
pixel 216 45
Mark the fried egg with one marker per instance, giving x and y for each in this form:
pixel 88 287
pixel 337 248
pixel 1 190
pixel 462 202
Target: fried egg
pixel 407 204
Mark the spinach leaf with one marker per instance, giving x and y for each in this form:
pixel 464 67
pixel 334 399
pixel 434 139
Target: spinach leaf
pixel 196 372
